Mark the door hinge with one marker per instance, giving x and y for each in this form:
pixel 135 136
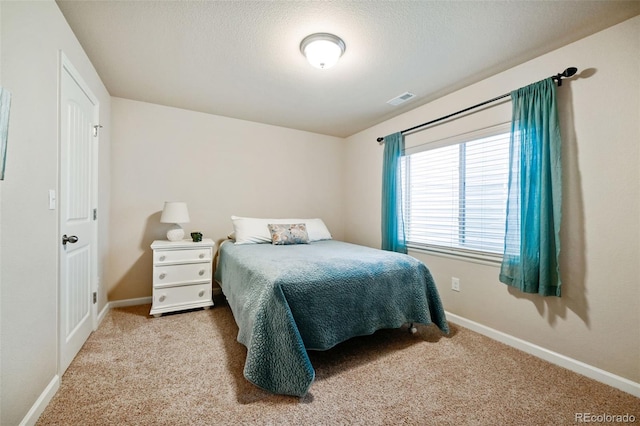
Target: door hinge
pixel 95 297
pixel 95 214
pixel 95 130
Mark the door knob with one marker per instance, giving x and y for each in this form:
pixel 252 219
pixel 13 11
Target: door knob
pixel 72 239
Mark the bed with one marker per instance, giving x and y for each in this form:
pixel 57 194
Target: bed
pixel 287 299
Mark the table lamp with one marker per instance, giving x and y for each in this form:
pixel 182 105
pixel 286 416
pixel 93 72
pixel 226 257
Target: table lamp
pixel 175 212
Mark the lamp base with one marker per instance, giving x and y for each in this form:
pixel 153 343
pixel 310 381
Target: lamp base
pixel 175 233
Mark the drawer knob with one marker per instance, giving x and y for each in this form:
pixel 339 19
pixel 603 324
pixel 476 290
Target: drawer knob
pixel 162 276
pixel 201 273
pixel 201 293
pixel 162 298
pixel 201 256
pixel 162 258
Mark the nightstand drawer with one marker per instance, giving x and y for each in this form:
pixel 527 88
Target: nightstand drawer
pixel 182 256
pixel 169 297
pixel 181 274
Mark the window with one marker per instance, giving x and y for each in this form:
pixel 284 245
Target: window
pixel 455 193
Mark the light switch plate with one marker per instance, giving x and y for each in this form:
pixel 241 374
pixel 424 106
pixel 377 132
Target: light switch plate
pixel 52 199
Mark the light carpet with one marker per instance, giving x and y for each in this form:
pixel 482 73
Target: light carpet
pixel 186 369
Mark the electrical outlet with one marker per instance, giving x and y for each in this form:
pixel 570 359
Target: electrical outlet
pixel 455 284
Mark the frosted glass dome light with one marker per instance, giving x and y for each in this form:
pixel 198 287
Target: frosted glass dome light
pixel 322 50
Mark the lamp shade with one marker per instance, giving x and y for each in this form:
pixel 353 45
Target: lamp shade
pixel 174 212
pixel 322 50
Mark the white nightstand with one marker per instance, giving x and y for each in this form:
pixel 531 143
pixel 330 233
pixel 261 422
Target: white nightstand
pixel 181 275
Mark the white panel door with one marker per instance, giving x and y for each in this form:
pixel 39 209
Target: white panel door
pixel 77 237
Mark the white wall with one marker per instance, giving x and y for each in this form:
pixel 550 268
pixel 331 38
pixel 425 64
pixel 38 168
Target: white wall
pixel 596 320
pixel 32 35
pixel 220 167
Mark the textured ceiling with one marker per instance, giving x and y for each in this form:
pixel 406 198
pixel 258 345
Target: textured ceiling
pixel 241 59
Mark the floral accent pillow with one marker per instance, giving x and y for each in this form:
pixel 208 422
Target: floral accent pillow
pixel 286 234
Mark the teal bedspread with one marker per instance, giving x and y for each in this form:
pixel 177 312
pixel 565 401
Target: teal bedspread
pixel 290 299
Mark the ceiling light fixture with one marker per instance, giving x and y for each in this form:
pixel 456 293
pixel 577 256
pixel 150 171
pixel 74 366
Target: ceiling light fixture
pixel 322 50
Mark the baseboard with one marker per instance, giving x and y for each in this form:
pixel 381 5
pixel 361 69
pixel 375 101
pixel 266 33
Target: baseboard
pixel 41 403
pixel 130 302
pixel 103 313
pixel 574 365
pixel 141 301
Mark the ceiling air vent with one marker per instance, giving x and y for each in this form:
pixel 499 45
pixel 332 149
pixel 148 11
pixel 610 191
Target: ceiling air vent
pixel 401 98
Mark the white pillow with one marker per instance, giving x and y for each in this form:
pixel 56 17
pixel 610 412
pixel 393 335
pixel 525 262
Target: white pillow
pixel 249 230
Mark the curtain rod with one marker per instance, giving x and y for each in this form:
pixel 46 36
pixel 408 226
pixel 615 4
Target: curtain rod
pixel 558 77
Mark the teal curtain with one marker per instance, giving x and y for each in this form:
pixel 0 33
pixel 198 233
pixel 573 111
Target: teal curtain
pixel 532 238
pixel 393 238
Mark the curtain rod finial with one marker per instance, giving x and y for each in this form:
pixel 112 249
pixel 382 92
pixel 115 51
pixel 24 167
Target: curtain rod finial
pixel 569 72
pixel 380 140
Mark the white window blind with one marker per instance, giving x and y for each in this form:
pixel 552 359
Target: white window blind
pixel 455 193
